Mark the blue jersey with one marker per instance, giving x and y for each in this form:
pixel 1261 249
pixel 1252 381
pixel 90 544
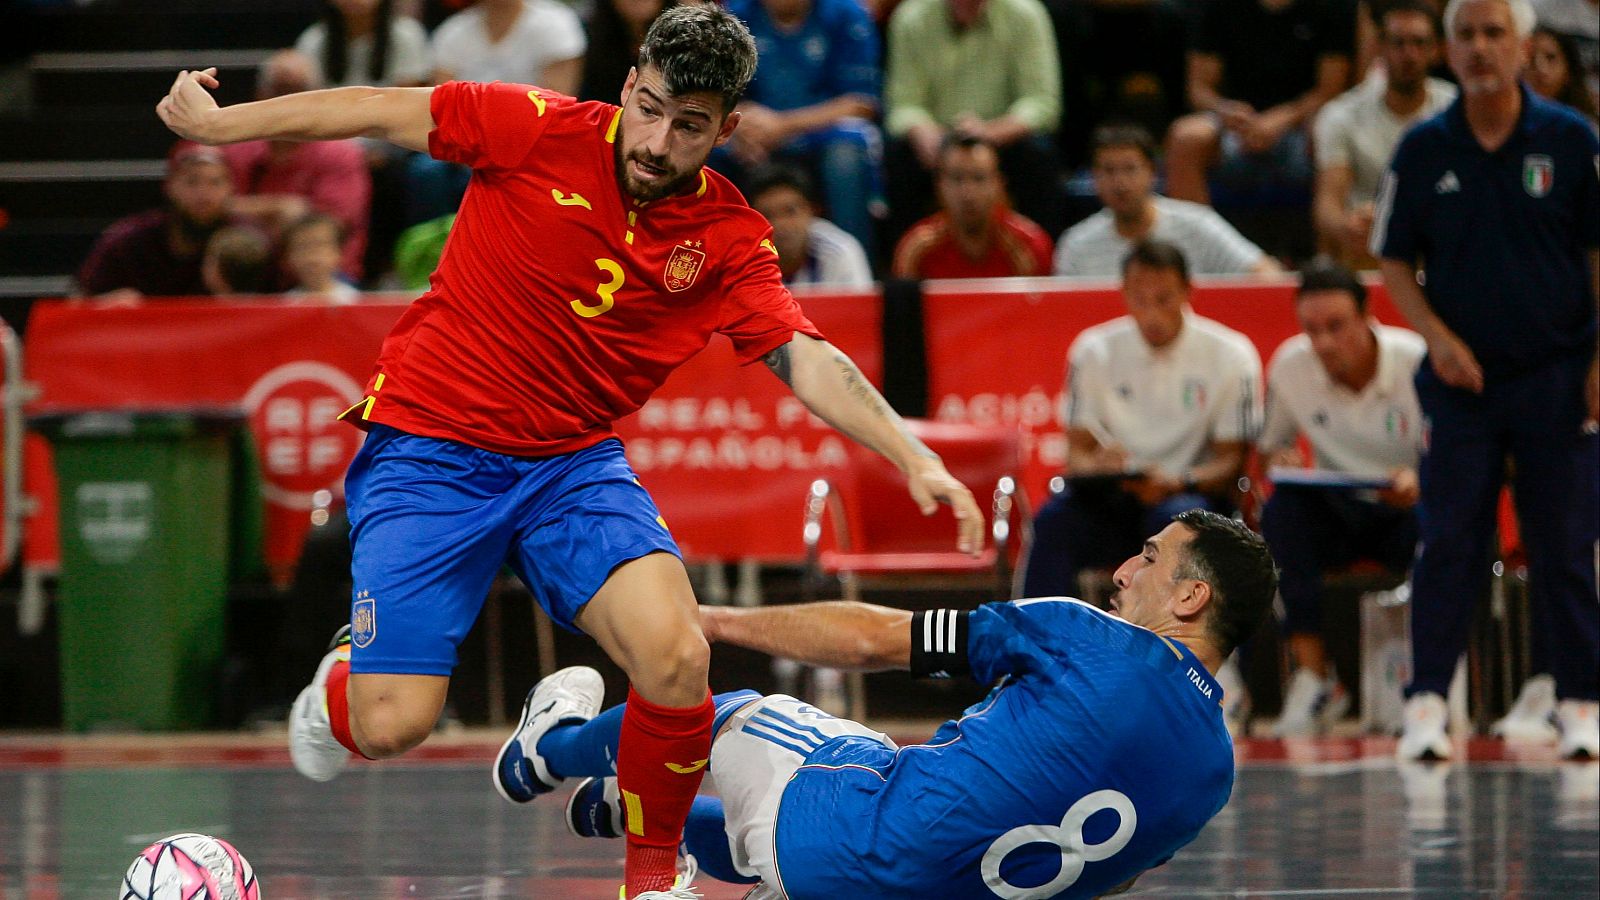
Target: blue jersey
pixel 1099 754
pixel 833 53
pixel 1502 237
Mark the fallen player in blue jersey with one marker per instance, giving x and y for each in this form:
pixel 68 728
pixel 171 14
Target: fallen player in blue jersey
pixel 1099 753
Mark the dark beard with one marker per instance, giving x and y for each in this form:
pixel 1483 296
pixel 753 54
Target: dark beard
pixel 667 188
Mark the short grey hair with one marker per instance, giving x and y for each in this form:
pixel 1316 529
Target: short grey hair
pixel 1523 18
pixel 701 47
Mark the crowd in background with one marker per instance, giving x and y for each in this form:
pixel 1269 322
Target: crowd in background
pixel 976 138
pixel 923 138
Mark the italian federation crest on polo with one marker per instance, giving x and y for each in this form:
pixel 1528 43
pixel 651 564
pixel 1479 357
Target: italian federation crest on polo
pixel 1538 174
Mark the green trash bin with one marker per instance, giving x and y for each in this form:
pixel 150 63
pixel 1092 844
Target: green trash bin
pixel 146 505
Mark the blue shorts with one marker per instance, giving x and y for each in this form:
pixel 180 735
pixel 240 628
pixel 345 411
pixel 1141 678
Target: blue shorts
pixel 432 521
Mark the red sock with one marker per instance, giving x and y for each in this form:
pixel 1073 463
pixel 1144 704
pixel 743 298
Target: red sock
pixel 339 706
pixel 660 761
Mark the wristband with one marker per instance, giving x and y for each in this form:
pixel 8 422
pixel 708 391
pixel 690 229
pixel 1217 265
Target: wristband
pixel 939 643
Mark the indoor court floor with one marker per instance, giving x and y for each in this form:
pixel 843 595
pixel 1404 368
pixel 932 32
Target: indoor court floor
pixel 1333 818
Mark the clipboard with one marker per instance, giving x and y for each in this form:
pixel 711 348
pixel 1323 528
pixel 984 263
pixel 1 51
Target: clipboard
pixel 1326 478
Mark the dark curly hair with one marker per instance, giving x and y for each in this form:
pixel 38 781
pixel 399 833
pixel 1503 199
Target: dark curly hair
pixel 700 47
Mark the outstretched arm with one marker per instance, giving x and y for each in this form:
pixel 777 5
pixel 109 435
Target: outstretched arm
pixel 838 634
pixel 397 115
pixel 831 386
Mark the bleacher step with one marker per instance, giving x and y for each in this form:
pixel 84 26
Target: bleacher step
pixel 159 24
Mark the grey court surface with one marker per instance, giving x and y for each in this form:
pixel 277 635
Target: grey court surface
pixel 1338 819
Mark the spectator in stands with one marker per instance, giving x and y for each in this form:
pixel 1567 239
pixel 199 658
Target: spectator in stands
pixel 1344 386
pixel 975 234
pixel 813 101
pixel 311 254
pixel 1124 179
pixel 1493 203
pixel 616 29
pixel 1121 61
pixel 1554 71
pixel 1161 406
pixel 157 253
pixel 1258 72
pixel 365 42
pixel 368 42
pixel 985 68
pixel 811 250
pixel 1580 21
pixel 237 260
pixel 1357 131
pixel 277 182
pixel 538 42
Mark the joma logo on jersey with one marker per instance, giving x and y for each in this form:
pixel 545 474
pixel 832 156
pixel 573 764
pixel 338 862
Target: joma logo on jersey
pixel 682 267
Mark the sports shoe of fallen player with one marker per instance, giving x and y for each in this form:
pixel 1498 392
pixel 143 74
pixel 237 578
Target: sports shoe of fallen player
pixel 317 754
pixel 573 694
pixel 595 809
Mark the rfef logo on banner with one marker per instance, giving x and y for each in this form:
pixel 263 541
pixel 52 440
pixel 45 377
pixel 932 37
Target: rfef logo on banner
pixel 303 446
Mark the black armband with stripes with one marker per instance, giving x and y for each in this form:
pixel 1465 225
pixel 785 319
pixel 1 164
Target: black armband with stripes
pixel 939 643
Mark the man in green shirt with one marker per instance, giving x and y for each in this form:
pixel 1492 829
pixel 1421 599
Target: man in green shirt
pixel 986 67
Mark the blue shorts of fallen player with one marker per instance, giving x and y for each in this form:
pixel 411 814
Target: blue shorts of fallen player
pixel 432 521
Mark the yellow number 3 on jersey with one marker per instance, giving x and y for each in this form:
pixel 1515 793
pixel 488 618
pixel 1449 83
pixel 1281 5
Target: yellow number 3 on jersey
pixel 606 290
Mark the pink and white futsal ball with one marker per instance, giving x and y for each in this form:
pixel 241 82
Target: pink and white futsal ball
pixel 190 867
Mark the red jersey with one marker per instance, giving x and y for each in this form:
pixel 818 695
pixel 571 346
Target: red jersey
pixel 560 303
pixel 929 250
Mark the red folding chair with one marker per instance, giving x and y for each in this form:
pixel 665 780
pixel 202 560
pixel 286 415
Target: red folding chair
pixel 863 527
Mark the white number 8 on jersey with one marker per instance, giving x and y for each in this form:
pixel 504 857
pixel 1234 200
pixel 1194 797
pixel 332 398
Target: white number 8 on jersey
pixel 1068 836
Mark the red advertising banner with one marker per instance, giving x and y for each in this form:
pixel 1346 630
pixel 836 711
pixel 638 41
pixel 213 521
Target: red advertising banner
pixel 727 452
pixel 997 350
pixel 290 368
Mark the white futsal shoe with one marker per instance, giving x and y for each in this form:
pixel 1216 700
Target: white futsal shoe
pixel 1311 705
pixel 1427 729
pixel 317 754
pixel 1580 729
pixel 682 889
pixel 1532 718
pixel 573 694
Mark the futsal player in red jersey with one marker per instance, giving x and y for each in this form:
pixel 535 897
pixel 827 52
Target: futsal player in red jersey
pixel 592 255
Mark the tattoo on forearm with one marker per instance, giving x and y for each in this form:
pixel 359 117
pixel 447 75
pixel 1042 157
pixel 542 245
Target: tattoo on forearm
pixel 779 362
pixel 862 390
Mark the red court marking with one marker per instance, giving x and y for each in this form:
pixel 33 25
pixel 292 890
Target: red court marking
pixel 222 751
